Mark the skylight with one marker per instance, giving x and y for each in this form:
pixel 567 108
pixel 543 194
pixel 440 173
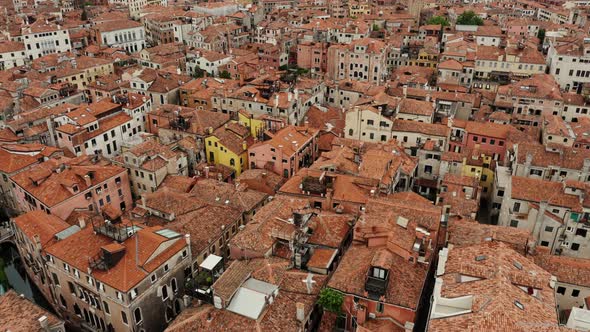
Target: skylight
pixel 480 258
pixel 169 234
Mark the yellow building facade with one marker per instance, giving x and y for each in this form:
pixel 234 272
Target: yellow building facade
pixel 228 146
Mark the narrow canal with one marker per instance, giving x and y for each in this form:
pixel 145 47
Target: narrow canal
pixel 14 276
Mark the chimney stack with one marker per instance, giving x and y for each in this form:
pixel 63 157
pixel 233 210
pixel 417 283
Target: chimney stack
pixel 82 222
pixel 186 300
pixel 87 180
pixel 300 311
pixel 44 323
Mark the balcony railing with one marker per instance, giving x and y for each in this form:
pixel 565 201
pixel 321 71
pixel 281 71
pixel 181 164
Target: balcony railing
pixel 116 232
pixel 376 286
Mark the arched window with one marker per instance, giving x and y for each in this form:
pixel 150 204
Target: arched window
pixel 232 162
pixel 350 132
pixel 174 285
pixel 137 315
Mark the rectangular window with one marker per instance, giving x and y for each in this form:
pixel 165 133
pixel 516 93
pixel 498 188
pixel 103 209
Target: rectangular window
pixel 380 307
pixel 55 279
pixel 106 307
pixel 516 207
pixel 513 223
pixel 124 318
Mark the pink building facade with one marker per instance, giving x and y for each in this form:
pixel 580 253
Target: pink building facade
pixel 489 138
pixel 312 55
pixel 78 188
pixel 289 150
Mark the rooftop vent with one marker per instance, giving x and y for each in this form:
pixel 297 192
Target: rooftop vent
pixel 403 222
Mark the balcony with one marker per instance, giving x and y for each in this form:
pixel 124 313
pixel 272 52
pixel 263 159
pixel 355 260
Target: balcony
pixel 376 286
pixel 200 287
pixel 180 124
pixel 117 232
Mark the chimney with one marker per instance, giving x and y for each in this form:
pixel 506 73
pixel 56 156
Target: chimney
pixel 276 100
pixel 244 145
pixel 329 195
pixel 87 180
pixel 206 172
pixel 300 311
pixel 44 323
pixel 82 222
pixel 289 96
pixel 405 90
pixel 143 201
pixel 409 327
pixel 296 93
pixel 186 300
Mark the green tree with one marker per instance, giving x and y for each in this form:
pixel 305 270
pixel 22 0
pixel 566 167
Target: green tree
pixel 469 18
pixel 198 73
pixel 225 74
pixel 541 35
pixel 438 20
pixel 376 27
pixel 331 300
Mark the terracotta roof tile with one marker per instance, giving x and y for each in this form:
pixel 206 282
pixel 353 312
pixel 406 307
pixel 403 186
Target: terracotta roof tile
pixel 21 315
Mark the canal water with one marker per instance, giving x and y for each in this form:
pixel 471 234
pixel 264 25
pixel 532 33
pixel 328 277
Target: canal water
pixel 14 276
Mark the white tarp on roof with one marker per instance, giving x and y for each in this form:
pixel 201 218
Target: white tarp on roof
pixel 247 303
pixel 251 298
pixel 210 262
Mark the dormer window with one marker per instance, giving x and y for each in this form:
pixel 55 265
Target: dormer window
pixel 379 273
